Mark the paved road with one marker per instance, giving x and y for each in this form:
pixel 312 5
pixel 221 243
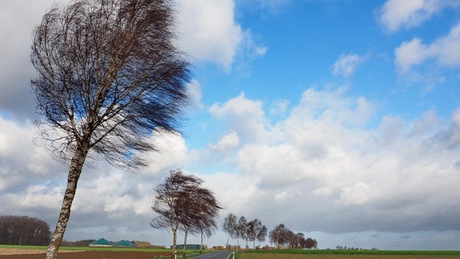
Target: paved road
pixel 215 255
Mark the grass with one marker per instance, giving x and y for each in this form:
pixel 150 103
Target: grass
pixel 338 254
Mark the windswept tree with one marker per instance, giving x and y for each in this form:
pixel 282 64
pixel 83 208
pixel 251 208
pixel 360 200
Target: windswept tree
pixel 252 229
pixel 108 78
pixel 229 226
pixel 181 203
pixel 241 229
pixel 262 234
pixel 201 211
pixel 278 235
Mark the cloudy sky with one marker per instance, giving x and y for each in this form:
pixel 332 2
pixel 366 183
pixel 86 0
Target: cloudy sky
pixel 340 119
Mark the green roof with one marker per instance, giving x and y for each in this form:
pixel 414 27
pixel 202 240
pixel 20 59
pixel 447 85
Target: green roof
pixel 124 243
pixel 102 241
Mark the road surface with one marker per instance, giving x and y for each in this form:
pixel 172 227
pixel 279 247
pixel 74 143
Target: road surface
pixel 216 255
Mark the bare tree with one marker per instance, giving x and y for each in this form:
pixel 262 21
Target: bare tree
pixel 180 202
pixel 262 234
pixel 109 76
pixel 241 228
pixel 201 210
pixel 229 226
pixel 277 235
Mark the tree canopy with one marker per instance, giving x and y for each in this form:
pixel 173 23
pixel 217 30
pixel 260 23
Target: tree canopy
pixel 181 203
pixel 109 77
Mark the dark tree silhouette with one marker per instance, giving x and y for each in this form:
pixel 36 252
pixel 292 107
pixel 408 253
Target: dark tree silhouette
pixel 109 77
pixel 282 236
pixel 181 203
pixel 278 235
pixel 23 230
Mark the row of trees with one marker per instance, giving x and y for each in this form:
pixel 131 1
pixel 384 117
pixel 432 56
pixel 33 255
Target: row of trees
pixel 250 231
pixel 283 237
pixel 253 230
pixel 182 204
pixel 23 230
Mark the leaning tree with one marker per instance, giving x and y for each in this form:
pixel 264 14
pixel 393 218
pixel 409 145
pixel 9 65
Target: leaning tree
pixel 109 76
pixel 229 227
pixel 181 203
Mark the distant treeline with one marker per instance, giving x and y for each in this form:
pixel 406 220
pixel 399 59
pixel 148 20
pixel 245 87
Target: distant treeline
pixel 79 243
pixel 23 230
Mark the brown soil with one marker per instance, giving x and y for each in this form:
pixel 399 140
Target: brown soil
pixel 40 254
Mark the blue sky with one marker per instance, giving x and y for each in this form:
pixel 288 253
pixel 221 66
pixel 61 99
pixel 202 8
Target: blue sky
pixel 339 119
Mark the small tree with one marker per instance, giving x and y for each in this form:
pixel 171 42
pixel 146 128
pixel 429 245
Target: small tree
pixel 229 226
pixel 108 77
pixel 180 202
pixel 262 234
pixel 241 229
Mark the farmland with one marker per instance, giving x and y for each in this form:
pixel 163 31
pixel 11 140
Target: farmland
pixel 347 254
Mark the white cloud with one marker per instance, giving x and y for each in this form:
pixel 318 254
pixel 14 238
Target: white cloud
pixel 444 52
pixel 227 142
pixel 243 116
pixel 208 31
pixel 321 154
pixel 346 64
pixel 395 14
pixel 194 93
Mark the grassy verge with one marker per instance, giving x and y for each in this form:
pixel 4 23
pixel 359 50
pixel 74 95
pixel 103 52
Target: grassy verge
pixel 335 254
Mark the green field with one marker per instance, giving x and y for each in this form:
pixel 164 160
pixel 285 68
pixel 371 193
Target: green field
pixel 337 254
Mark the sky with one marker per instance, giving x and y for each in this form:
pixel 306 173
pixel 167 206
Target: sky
pixel 339 119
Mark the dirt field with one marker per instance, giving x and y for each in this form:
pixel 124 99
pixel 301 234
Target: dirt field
pixel 40 254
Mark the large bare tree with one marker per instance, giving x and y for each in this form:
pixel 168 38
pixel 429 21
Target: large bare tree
pixel 108 78
pixel 181 203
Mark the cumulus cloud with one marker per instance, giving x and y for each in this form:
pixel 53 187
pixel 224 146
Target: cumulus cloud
pixel 243 116
pixel 419 61
pixel 346 64
pixel 395 14
pixel 208 31
pixel 398 176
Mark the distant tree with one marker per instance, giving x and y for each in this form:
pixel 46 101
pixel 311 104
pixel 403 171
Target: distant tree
pixel 201 210
pixel 253 229
pixel 241 229
pixel 278 235
pixel 262 234
pixel 229 226
pixel 109 76
pixel 180 202
pixel 23 230
pixel 311 243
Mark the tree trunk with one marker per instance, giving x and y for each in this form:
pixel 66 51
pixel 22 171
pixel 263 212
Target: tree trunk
pixel 174 242
pixel 75 169
pixel 185 242
pixel 202 237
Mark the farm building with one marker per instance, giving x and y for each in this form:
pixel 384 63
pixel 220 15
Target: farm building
pixel 124 243
pixel 101 243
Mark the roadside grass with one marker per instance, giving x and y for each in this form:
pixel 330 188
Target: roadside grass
pixel 337 254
